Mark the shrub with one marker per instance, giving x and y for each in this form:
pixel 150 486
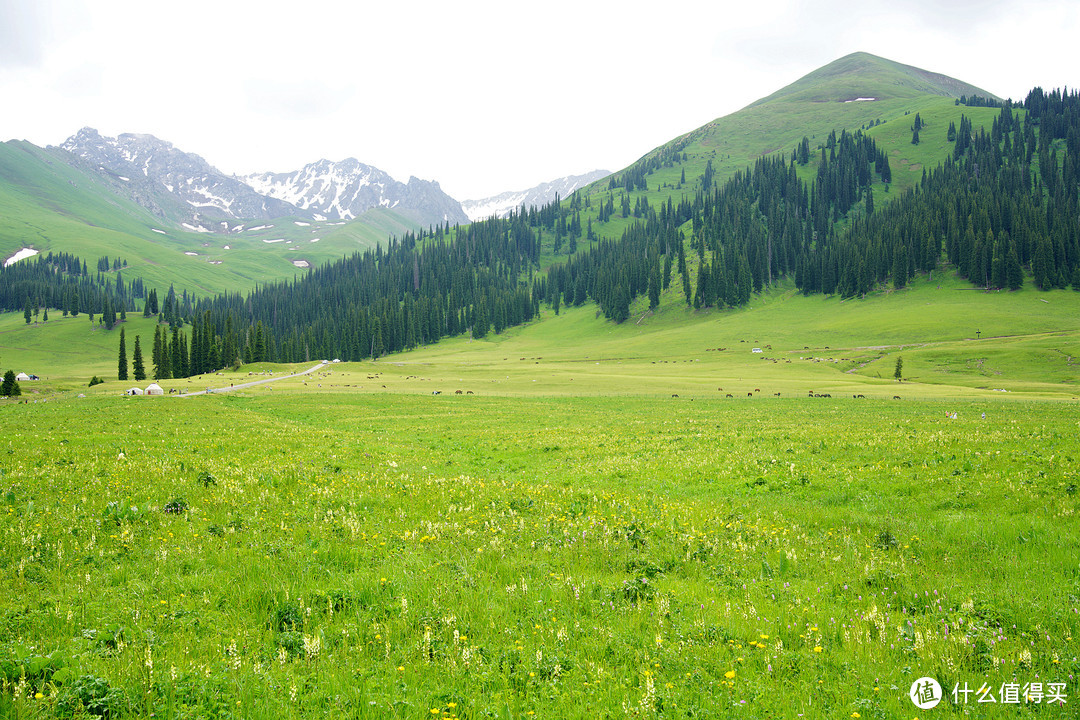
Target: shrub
pixel 176 506
pixel 93 696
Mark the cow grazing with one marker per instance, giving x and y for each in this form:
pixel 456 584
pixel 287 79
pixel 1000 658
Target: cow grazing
pixel 895 397
pixel 457 392
pixel 750 394
pixel 730 395
pixel 776 394
pixel 433 392
pixel 674 396
pixel 468 392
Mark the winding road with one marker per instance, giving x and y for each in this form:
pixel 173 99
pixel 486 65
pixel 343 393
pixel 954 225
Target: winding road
pixel 253 383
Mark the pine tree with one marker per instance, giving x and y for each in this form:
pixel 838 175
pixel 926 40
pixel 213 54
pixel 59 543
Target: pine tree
pixel 161 356
pixel 137 361
pixel 27 310
pixel 10 386
pixel 899 371
pixel 108 315
pixel 1014 274
pixel 122 365
pixel 654 282
pixel 900 266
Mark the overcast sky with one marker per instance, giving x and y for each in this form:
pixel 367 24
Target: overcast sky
pixel 481 96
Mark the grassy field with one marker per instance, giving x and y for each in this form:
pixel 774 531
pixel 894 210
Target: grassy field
pixel 564 538
pixel 289 553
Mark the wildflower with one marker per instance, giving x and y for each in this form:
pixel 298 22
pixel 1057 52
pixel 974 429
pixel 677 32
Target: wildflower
pixel 730 674
pixel 817 649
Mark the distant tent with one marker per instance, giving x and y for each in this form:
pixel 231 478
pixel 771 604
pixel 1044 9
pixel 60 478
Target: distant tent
pixel 134 391
pixel 22 377
pixel 154 389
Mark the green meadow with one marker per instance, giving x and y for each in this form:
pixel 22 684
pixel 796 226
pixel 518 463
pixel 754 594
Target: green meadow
pixel 564 538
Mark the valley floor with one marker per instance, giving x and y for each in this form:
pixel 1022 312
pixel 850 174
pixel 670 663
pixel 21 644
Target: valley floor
pixel 564 538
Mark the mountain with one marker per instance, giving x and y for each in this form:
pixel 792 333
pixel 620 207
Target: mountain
pixel 500 205
pixel 184 188
pixel 857 91
pixel 347 189
pixel 54 201
pixel 866 77
pixel 171 183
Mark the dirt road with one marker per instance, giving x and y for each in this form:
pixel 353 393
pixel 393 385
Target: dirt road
pixel 253 383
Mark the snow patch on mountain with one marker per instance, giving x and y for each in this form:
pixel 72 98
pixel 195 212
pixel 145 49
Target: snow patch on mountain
pixel 502 204
pixel 20 255
pixel 347 189
pixel 169 182
pixel 184 188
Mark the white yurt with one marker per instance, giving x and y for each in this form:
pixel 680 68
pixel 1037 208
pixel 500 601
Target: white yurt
pixel 22 377
pixel 154 389
pixel 134 391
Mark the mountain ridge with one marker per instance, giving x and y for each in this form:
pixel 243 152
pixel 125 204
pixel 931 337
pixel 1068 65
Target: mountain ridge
pixel 183 187
pixel 502 204
pixel 344 190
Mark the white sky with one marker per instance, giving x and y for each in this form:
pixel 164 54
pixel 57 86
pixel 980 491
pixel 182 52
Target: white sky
pixel 481 96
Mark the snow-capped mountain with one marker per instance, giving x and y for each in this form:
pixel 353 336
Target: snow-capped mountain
pixel 500 205
pixel 169 182
pixel 344 190
pixel 183 187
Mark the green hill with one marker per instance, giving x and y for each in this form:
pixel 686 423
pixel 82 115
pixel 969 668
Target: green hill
pixel 825 100
pixel 862 75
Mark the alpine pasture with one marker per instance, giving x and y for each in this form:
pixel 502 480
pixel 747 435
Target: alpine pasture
pixel 564 537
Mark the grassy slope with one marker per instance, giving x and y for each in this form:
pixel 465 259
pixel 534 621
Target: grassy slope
pixel 813 106
pixel 1029 342
pixel 47 204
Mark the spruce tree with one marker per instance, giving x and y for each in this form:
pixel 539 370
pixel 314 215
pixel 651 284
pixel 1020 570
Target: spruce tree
pixel 10 386
pixel 654 282
pixel 122 364
pixel 137 361
pixel 1013 272
pixel 27 310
